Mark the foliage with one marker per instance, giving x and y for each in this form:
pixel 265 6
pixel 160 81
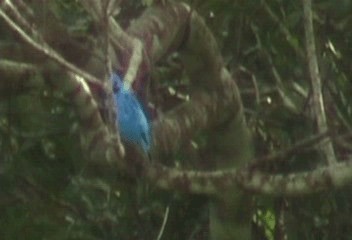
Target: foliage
pixel 264 45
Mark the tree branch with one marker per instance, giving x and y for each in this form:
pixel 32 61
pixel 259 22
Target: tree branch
pixel 99 140
pixel 14 74
pixel 215 182
pixel 318 107
pixel 42 46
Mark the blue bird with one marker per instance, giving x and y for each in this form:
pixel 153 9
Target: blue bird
pixel 133 124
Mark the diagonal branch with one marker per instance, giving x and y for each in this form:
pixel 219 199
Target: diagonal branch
pixel 43 47
pixel 99 141
pixel 100 144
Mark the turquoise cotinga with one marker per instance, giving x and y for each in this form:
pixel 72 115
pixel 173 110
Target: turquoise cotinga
pixel 134 126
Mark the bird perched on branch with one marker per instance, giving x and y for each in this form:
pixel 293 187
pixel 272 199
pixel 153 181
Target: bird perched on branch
pixel 134 126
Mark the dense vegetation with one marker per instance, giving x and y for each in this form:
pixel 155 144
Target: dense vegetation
pixel 48 191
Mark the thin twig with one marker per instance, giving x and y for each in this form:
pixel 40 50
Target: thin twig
pixel 283 29
pixel 297 147
pixel 166 215
pixel 45 49
pixel 17 68
pixel 255 84
pixel 20 19
pixel 24 8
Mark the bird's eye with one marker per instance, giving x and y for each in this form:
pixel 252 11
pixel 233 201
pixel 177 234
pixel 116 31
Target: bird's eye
pixel 115 87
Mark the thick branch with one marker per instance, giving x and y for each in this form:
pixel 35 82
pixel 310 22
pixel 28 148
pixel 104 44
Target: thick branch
pixel 216 182
pixel 205 110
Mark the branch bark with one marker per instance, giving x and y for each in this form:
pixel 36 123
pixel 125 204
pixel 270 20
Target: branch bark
pixel 318 106
pixel 255 181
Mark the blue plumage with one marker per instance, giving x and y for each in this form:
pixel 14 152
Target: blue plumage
pixel 133 124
